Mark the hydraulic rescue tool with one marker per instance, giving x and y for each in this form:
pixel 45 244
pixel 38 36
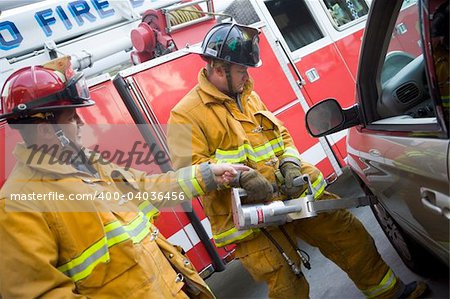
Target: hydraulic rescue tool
pixel 276 213
pixel 247 216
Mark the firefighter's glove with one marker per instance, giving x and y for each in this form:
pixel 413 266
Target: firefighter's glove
pixel 290 171
pixel 258 188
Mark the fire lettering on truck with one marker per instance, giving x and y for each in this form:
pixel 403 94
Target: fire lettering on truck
pixel 80 12
pixel 10 36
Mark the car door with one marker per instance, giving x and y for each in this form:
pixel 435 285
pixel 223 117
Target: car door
pixel 402 151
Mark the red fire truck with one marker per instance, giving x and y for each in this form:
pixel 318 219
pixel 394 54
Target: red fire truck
pixel 134 54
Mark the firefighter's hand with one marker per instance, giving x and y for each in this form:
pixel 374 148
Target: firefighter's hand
pixel 258 188
pixel 290 171
pixel 225 173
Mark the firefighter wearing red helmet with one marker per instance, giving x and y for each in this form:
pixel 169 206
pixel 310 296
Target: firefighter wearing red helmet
pixel 225 121
pixel 88 249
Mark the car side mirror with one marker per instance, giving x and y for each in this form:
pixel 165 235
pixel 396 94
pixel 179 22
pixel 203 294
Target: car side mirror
pixel 324 118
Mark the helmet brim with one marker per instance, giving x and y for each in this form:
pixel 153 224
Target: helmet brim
pixel 29 113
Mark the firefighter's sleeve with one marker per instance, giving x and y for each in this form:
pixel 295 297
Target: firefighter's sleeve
pixel 290 152
pixel 187 143
pixel 166 189
pixel 28 257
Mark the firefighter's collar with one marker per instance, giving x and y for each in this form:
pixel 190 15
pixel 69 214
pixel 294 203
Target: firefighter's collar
pixel 42 161
pixel 210 93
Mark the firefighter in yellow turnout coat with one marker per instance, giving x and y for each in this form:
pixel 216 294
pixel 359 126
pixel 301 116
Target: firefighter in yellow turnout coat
pixel 225 121
pixel 86 249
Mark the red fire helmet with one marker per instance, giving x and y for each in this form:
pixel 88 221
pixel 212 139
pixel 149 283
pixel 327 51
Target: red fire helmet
pixel 36 89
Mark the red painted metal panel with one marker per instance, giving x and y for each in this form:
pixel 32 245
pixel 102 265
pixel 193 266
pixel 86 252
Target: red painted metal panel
pixel 109 107
pixel 270 81
pixel 164 85
pixel 335 80
pixel 340 148
pixel 325 167
pixel 195 35
pixel 350 47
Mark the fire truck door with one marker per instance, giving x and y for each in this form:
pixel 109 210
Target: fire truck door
pixel 322 39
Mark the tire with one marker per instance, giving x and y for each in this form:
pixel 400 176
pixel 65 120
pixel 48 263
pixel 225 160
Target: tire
pixel 413 255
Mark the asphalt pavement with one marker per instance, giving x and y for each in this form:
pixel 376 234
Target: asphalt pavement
pixel 325 278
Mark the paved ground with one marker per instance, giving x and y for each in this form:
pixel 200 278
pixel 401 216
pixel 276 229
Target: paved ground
pixel 325 278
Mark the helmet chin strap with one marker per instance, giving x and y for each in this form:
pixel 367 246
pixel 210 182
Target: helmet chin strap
pixel 234 95
pixel 227 69
pixel 59 133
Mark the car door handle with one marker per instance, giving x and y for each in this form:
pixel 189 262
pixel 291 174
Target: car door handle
pixel 436 201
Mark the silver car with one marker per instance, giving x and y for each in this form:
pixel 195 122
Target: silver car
pixel 398 141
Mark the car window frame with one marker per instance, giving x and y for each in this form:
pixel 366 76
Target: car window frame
pixel 382 18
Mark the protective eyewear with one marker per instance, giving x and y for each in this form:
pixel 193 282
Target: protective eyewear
pixel 75 93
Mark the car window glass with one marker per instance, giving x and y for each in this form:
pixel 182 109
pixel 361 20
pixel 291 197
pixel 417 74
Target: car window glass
pixel 405 95
pixel 342 12
pixel 295 22
pixel 439 36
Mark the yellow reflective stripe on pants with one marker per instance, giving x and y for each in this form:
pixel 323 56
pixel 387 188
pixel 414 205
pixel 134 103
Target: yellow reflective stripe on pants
pixel 188 182
pixel 231 236
pixel 387 283
pixel 318 186
pixel 247 152
pixel 136 230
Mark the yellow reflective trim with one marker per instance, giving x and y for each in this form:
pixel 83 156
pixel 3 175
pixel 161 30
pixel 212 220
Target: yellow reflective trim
pixel 86 272
pixel 247 152
pixel 183 185
pixel 231 236
pixel 113 225
pixel 188 181
pixel 152 214
pixel 386 284
pixel 152 210
pixel 319 181
pixel 82 257
pixel 82 266
pixel 117 239
pixel 291 152
pixel 196 184
pixel 142 234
